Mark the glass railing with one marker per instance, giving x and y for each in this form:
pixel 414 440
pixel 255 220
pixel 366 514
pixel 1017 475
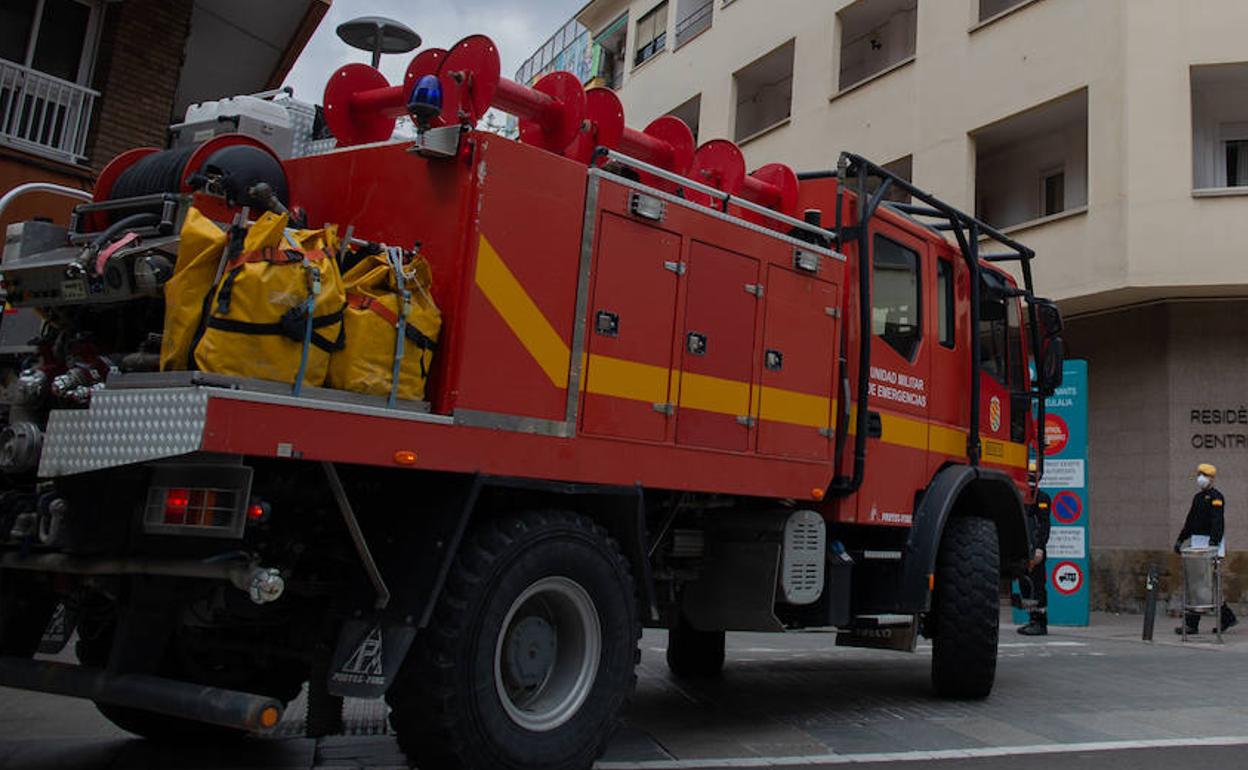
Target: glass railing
pixel 697 20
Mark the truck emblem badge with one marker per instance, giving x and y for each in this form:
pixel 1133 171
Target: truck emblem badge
pixel 994 413
pixel 365 664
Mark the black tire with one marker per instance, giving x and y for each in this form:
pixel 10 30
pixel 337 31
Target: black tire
pixel 452 704
pixel 966 609
pixel 694 654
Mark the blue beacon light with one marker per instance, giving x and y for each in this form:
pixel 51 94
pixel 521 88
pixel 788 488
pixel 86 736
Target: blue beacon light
pixel 425 103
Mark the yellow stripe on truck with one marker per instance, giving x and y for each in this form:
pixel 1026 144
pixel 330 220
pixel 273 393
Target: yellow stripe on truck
pixel 522 315
pixel 630 380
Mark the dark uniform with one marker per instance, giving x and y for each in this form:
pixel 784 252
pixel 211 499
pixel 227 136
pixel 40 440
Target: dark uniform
pixel 1206 517
pixel 1033 585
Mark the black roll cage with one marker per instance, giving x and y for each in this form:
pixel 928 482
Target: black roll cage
pixel 967 230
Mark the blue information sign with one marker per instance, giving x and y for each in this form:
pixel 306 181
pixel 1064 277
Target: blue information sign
pixel 1066 481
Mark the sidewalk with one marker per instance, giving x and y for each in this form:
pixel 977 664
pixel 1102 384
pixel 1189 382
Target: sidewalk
pixel 1126 627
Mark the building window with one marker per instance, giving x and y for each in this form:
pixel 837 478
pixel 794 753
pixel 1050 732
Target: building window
pixel 1236 162
pixel 764 93
pixel 651 33
pixel 1033 164
pixel 895 307
pixel 944 303
pixel 990 8
pixel 691 113
pixel 902 168
pixel 55 37
pixel 47 50
pixel 693 17
pixel 609 47
pixel 875 35
pixel 1220 125
pixel 1052 192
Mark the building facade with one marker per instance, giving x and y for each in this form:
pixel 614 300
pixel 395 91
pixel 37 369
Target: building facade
pixel 83 80
pixel 1109 135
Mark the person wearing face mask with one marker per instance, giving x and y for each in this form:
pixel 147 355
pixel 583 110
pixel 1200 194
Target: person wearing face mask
pixel 1205 525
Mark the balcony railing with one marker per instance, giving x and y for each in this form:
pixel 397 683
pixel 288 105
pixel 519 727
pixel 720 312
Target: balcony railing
pixel 43 114
pixel 694 21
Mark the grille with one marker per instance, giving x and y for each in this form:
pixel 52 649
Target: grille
pixel 802 567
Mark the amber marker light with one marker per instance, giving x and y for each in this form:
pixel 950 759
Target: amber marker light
pixel 405 457
pixel 817 493
pixel 269 717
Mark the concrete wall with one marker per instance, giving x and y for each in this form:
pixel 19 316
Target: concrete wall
pixel 1165 393
pixel 1133 57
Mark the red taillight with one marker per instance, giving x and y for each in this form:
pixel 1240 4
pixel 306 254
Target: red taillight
pixel 258 512
pixel 177 501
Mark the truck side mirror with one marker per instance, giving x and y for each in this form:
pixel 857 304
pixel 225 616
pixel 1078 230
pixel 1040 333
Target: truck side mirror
pixel 1050 318
pixel 1052 355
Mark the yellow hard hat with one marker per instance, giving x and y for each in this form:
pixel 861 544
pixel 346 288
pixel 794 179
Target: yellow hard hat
pixel 1207 469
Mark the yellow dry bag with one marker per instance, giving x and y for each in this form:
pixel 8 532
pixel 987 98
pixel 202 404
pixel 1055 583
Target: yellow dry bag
pixel 378 288
pixel 274 311
pixel 199 253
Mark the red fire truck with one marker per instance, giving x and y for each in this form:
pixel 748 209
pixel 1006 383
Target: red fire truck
pixel 667 394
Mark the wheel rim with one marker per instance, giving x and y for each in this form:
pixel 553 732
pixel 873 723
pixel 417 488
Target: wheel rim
pixel 546 657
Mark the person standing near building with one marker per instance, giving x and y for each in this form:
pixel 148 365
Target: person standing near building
pixel 1033 585
pixel 1204 528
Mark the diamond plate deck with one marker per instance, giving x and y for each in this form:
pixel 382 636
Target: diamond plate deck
pixel 122 428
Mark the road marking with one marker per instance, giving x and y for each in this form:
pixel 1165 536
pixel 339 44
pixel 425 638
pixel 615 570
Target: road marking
pixel 1015 645
pixel 923 756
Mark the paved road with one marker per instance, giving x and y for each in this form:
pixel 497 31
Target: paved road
pixel 1077 699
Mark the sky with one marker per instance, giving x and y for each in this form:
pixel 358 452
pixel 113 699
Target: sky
pixel 518 27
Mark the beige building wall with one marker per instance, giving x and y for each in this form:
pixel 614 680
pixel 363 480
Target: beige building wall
pixel 1145 266
pixel 1142 235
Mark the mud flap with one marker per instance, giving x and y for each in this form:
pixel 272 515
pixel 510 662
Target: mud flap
pixel 368 657
pixel 58 631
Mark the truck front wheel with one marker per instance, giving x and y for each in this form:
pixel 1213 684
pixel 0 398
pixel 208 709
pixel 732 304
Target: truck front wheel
pixel 530 656
pixel 966 609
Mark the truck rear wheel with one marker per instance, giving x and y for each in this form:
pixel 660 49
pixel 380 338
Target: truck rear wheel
pixel 694 654
pixel 530 656
pixel 966 609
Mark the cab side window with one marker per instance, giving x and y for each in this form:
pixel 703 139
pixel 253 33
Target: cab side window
pixel 1015 350
pixel 895 309
pixel 993 336
pixel 944 303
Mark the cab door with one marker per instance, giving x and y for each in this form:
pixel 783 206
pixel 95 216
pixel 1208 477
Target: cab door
pixel 1004 401
pixel 902 277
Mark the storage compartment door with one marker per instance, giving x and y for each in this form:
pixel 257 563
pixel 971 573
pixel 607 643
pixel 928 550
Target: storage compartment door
pixel 799 365
pixel 632 317
pixel 718 350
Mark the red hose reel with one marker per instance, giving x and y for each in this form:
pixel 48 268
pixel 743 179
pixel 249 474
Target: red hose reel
pixel 556 114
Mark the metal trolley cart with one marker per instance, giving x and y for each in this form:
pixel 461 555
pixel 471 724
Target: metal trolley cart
pixel 1202 586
